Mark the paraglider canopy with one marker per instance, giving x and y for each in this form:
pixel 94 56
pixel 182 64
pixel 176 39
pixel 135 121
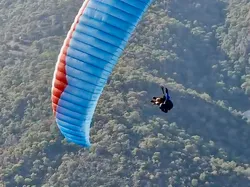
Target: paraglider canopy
pixel 93 45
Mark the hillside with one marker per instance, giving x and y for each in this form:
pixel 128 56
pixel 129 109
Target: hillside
pixel 200 49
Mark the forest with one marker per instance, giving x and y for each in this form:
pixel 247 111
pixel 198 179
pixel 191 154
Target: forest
pixel 199 49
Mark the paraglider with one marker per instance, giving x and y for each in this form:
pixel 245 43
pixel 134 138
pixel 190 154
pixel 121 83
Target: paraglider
pixel 164 102
pixel 90 51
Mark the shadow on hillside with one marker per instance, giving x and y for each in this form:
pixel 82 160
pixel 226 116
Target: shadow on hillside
pixel 197 47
